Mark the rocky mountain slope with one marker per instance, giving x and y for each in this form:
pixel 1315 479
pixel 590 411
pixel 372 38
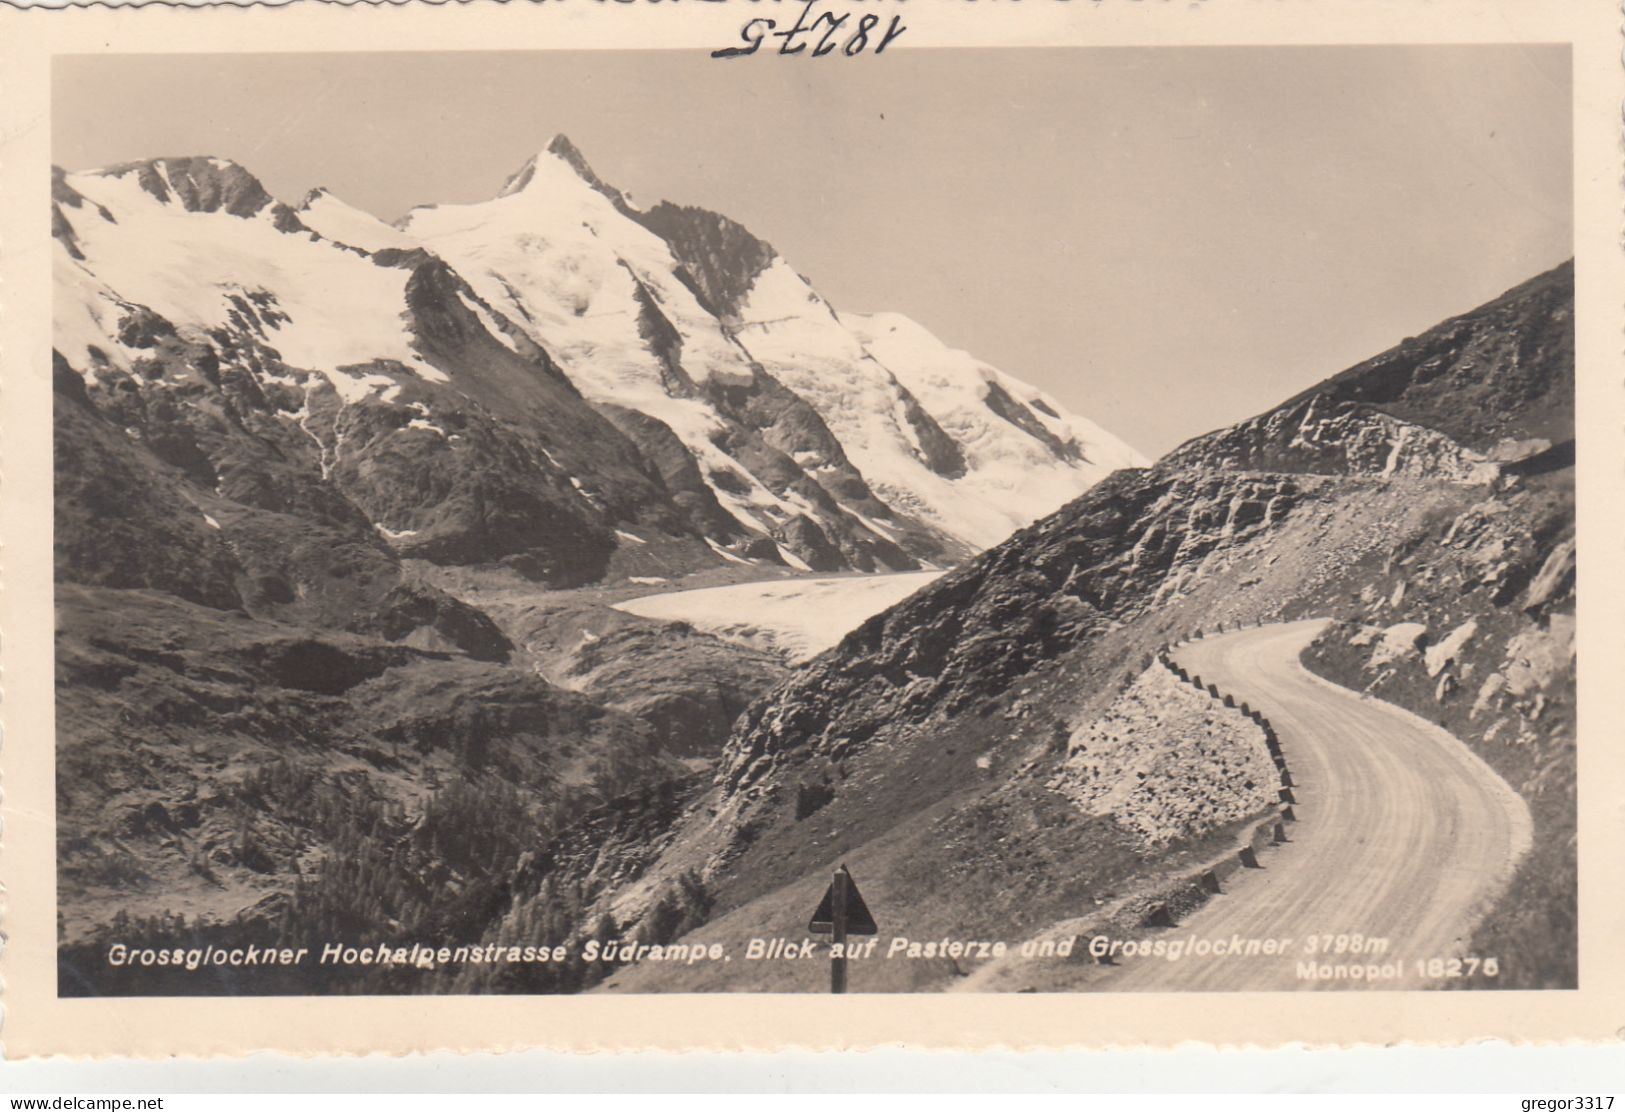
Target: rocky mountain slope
pixel 931 738
pixel 340 508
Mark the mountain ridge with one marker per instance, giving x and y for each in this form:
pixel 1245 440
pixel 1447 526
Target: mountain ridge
pixel 636 332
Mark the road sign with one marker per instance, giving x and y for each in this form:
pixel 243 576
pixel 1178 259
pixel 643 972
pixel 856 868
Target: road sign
pixel 840 913
pixel 858 919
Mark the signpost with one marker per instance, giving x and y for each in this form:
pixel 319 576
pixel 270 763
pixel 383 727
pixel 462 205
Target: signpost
pixel 840 913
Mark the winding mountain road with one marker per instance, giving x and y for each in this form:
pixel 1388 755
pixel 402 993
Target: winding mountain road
pixel 1403 833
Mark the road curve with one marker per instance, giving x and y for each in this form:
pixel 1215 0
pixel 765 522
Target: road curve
pixel 1402 832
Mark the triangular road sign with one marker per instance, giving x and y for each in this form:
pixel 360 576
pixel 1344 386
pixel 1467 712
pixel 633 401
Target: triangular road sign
pixel 858 919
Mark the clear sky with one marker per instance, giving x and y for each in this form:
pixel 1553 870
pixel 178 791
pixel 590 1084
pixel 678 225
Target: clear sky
pixel 1168 240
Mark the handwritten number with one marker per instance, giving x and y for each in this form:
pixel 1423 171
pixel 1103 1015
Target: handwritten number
pixel 756 31
pixel 760 26
pixel 824 45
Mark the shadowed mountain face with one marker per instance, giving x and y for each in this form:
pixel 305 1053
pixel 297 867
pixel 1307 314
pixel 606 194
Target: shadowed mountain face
pixel 722 257
pixel 1371 499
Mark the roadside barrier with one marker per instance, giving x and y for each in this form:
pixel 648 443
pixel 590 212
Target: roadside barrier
pixel 1175 900
pixel 1158 916
pixel 1271 832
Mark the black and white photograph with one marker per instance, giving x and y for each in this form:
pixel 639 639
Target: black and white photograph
pixel 1068 520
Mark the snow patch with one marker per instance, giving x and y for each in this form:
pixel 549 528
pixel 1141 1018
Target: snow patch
pixel 725 554
pixel 420 423
pixel 333 219
pixel 792 559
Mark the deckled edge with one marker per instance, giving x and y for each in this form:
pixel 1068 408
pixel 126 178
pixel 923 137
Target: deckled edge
pixel 743 1047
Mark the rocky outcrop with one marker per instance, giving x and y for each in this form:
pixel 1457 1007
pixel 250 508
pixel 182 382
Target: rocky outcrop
pixel 964 640
pixel 721 258
pixel 1168 762
pixel 202 184
pixel 1502 373
pixel 1341 438
pixel 678 471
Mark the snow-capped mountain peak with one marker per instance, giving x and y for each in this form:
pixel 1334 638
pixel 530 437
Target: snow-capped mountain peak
pixel 780 429
pixel 201 184
pixel 560 150
pixel 199 244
